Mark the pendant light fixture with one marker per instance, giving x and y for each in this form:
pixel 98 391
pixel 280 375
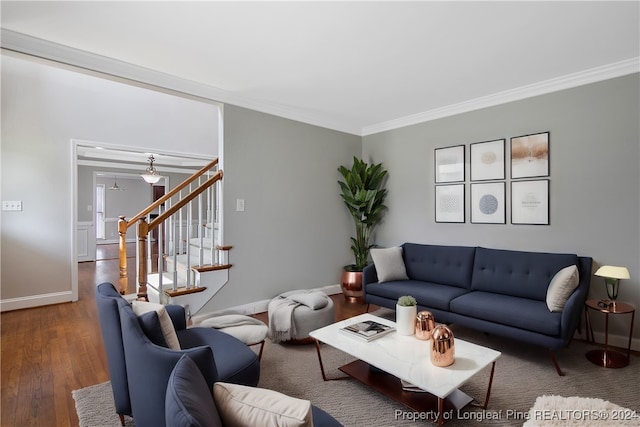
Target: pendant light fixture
pixel 115 187
pixel 151 175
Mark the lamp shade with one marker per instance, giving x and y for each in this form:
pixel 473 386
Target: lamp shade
pixel 151 178
pixel 613 272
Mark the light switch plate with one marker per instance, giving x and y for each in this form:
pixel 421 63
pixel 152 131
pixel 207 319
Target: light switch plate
pixel 240 205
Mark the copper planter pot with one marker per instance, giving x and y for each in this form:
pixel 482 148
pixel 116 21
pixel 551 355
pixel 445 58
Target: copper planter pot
pixel 351 283
pixel 442 346
pixel 425 323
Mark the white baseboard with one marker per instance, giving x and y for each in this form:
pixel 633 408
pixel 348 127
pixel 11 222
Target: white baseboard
pixel 257 306
pixel 619 341
pixel 36 301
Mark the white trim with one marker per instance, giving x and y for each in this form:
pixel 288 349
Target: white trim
pixel 37 300
pixel 619 341
pixel 569 81
pixel 73 151
pixel 45 49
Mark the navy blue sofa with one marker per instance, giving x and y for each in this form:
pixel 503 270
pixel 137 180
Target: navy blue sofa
pixel 501 292
pixel 140 368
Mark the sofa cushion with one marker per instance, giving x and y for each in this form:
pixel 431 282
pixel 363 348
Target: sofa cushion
pixel 516 273
pixel 235 362
pixel 249 406
pixel 141 307
pixel 427 294
pixel 189 401
pixel 561 287
pixel 523 313
pixel 389 264
pixel 448 265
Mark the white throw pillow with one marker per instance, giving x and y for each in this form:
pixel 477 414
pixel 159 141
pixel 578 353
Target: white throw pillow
pixel 562 285
pixel 240 406
pixel 389 264
pixel 168 331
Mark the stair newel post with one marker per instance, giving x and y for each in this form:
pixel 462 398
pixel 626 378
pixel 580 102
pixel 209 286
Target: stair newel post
pixel 143 231
pixel 122 253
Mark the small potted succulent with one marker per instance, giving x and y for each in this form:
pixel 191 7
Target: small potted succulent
pixel 406 312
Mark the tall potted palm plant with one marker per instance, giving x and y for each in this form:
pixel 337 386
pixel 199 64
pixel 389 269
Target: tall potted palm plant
pixel 363 193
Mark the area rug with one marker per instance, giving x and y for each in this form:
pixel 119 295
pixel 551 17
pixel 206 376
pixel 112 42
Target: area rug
pixel 95 407
pixel 523 373
pixel 552 411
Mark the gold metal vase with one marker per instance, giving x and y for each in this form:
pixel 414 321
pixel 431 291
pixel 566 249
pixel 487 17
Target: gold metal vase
pixel 425 323
pixel 442 346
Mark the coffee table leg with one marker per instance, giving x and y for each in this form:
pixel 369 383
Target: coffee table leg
pixel 324 377
pixel 486 399
pixel 440 420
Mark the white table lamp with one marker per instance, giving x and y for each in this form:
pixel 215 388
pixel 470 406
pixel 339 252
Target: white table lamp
pixel 612 276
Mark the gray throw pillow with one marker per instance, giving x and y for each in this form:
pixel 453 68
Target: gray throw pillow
pixel 389 264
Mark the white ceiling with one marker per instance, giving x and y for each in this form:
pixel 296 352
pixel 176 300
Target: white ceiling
pixel 359 67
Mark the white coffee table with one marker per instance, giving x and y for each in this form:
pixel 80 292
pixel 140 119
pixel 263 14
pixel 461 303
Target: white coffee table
pixel 407 358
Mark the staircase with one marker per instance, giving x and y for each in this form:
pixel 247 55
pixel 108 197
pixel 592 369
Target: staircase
pixel 191 264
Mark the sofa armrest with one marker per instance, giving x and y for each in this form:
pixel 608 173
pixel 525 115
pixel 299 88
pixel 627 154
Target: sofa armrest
pixel 575 304
pixel 177 315
pixel 369 275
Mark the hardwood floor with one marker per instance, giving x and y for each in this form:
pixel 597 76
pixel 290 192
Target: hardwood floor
pixel 47 352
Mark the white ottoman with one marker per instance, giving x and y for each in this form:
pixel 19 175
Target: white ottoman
pixel 247 329
pixel 304 318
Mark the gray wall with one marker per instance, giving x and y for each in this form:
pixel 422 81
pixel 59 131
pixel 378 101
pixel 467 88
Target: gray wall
pixel 294 232
pixel 43 109
pixel 594 189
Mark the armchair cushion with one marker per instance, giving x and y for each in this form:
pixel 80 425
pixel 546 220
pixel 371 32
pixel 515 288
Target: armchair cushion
pixel 150 324
pixel 168 331
pixel 189 402
pixel 249 406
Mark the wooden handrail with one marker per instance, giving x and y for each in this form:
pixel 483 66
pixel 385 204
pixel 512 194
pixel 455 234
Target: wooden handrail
pixel 171 193
pixel 181 203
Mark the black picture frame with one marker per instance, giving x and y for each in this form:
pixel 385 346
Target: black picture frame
pixel 530 155
pixel 449 164
pixel 530 202
pixel 487 160
pixel 449 203
pixel 488 203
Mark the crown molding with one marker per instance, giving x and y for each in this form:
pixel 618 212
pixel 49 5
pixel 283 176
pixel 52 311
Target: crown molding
pixel 21 43
pixel 44 49
pixel 593 75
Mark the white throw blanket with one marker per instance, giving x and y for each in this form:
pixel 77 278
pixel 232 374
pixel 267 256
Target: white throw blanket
pixel 281 324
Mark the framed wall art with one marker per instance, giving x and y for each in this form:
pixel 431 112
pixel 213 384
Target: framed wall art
pixel 488 203
pixel 487 160
pixel 530 156
pixel 450 203
pixel 449 164
pixel 530 202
